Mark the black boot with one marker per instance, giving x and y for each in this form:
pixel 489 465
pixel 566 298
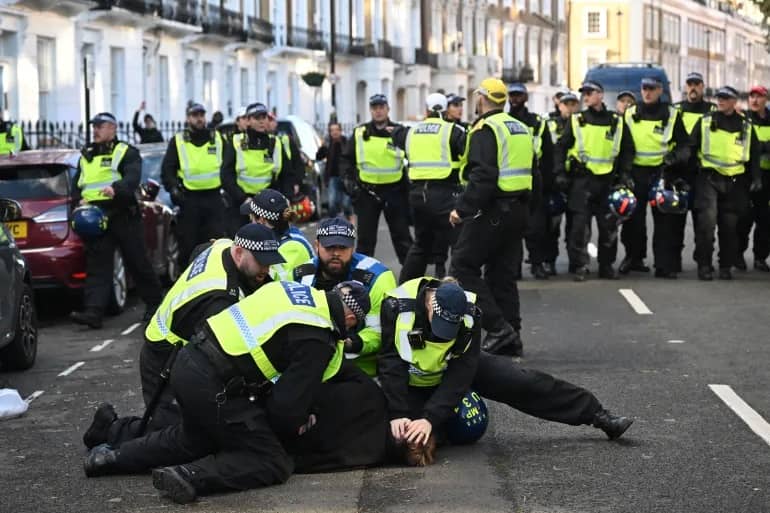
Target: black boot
pixel 581 273
pixel 504 341
pixel 761 265
pixel 725 273
pixel 663 273
pixel 740 263
pixel 176 483
pixel 705 273
pixel 607 272
pixel 628 264
pixel 90 317
pixel 613 425
pixel 99 429
pixel 539 272
pixel 550 268
pixel 102 460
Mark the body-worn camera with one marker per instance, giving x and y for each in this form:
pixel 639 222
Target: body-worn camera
pixel 415 339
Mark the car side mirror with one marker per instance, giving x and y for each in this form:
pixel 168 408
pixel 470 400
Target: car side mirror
pixel 10 210
pixel 149 190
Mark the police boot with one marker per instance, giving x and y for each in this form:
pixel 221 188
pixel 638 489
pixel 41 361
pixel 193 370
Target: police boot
pixel 607 272
pixel 538 271
pixel 629 264
pixel 504 341
pixel 613 425
pixel 705 273
pixel 90 317
pixel 666 274
pixel 99 429
pixel 550 268
pixel 102 460
pixel 581 273
pixel 176 483
pixel 725 273
pixel 761 265
pixel 740 263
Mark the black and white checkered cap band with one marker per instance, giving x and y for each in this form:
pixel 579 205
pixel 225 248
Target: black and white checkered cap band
pixel 337 230
pixel 444 313
pixel 257 245
pixel 266 214
pixel 351 302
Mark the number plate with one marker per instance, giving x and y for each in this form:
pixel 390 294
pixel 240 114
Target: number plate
pixel 18 229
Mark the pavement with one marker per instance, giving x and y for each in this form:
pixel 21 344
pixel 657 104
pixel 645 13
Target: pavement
pixel 691 368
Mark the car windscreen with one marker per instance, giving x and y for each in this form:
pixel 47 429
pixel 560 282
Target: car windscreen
pixel 615 80
pixel 35 182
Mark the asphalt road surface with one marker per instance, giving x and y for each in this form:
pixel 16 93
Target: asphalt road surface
pixel 687 359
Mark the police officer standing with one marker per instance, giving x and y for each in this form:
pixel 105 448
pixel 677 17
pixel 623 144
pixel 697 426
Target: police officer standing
pixel 372 168
pixel 11 138
pixel 433 148
pixel 454 110
pixel 108 176
pixel 625 99
pixel 190 172
pixel 729 154
pixel 492 213
pixel 661 143
pixel 599 150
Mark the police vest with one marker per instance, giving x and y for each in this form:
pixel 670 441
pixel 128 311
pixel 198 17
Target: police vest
pixel 199 165
pixel 554 129
pixel 726 152
pixel 101 172
pixel 689 119
pixel 429 151
pixel 244 327
pixel 286 142
pixel 256 169
pixel 426 364
pixel 763 135
pixel 652 139
pixel 11 140
pixel 596 146
pixel 204 275
pixel 515 151
pixel 378 161
pixel 537 136
pixel 295 250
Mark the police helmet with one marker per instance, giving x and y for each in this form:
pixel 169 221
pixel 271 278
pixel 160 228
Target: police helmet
pixel 469 422
pixel 622 203
pixel 669 198
pixel 89 222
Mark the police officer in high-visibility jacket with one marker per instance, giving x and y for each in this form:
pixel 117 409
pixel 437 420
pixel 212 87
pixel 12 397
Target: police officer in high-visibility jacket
pixel 11 138
pixel 492 215
pixel 222 273
pixel 729 155
pixel 760 200
pixel 190 173
pixel 597 147
pixel 454 110
pixel 372 169
pixel 430 358
pixel 108 176
pixel 337 262
pixel 247 380
pixel 661 146
pixel 433 148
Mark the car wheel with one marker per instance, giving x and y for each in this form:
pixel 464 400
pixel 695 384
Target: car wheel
pixel 172 256
pixel 21 352
pixel 119 286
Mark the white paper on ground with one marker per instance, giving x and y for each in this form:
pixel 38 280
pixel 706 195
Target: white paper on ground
pixel 11 404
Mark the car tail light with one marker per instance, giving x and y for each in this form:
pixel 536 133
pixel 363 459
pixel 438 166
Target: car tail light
pixel 79 276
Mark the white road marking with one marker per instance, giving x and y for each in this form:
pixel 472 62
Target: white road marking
pixel 676 341
pixel 71 369
pixel 747 414
pixel 592 251
pixel 34 395
pixel 130 328
pixel 636 303
pixel 99 347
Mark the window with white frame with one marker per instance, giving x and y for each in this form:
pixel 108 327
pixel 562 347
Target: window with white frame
pixel 519 48
pixel 229 85
pixel 508 57
pixel 534 55
pixel 208 84
pixel 45 77
pixel 547 8
pixel 117 81
pixel 595 23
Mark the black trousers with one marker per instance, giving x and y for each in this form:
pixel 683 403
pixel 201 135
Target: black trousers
pixel 667 240
pixel 226 441
pixel 126 233
pixel 587 199
pixel 431 203
pixel 721 201
pixel 542 237
pixel 633 235
pixel 492 244
pixel 200 219
pixel 393 201
pixel 759 217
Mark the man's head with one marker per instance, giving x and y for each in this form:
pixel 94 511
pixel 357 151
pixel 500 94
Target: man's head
pixel 592 93
pixel 517 95
pixel 268 207
pixel 335 239
pixel 490 95
pixel 694 84
pixel 446 307
pixel 355 301
pixel 758 99
pixel 652 89
pixel 378 108
pixel 454 107
pixel 727 97
pixel 568 104
pixel 624 100
pixel 196 116
pixel 556 98
pixel 335 131
pixel 242 120
pixel 105 127
pixel 257 114
pixel 149 121
pixel 254 250
pixel 435 103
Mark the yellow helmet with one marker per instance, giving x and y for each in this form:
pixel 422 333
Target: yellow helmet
pixel 493 89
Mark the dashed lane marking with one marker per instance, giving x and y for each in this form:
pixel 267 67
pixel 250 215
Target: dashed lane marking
pixel 747 414
pixel 636 303
pixel 69 370
pixel 130 328
pixel 99 347
pixel 675 341
pixel 34 395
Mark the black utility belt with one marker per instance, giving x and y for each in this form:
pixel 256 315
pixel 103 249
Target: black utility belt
pixel 443 183
pixel 237 383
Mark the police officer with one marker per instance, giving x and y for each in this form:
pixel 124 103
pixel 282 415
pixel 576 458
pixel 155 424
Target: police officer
pixel 661 144
pixel 625 99
pixel 11 138
pixel 430 358
pixel 729 153
pixel 255 160
pixel 760 211
pixel 372 168
pixel 290 147
pixel 337 262
pixel 454 110
pixel 222 273
pixel 492 213
pixel 108 175
pixel 190 172
pixel 433 148
pixel 226 382
pixel 598 147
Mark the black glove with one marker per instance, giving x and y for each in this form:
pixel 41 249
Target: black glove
pixel 352 187
pixel 669 159
pixel 561 181
pixel 626 181
pixel 681 185
pixel 177 196
pixel 756 185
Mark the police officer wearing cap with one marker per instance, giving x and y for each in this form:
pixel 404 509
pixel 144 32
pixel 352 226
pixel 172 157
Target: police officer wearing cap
pixel 433 148
pixel 661 146
pixel 430 358
pixel 190 173
pixel 729 154
pixel 593 155
pixel 224 272
pixel 372 168
pixel 12 139
pixel 108 176
pixel 492 214
pixel 454 110
pixel 235 409
pixel 255 160
pixel 760 200
pixel 625 99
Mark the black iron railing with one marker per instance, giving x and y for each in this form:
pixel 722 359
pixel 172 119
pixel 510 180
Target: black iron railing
pixel 69 134
pixel 260 30
pixel 301 37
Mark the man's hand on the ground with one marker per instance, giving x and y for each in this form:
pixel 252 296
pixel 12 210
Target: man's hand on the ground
pixel 398 428
pixel 418 431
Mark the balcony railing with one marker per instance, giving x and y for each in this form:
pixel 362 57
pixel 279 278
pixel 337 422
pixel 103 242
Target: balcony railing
pixel 150 7
pixel 260 30
pixel 425 57
pixel 306 38
pixel 224 22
